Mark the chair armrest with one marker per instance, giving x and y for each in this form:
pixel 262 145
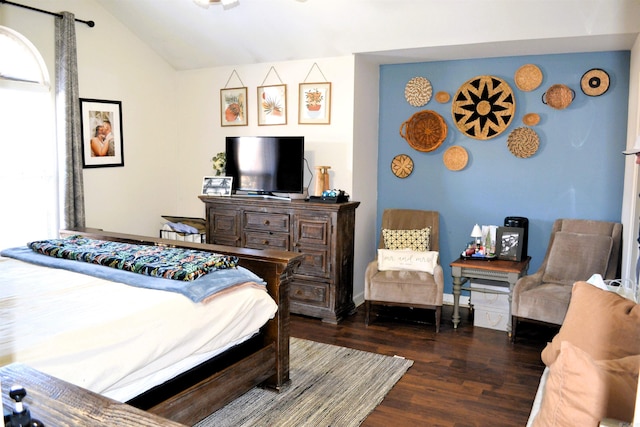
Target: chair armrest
pixel 527 282
pixel 372 270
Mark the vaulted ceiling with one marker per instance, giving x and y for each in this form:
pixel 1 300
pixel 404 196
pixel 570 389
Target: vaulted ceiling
pixel 188 36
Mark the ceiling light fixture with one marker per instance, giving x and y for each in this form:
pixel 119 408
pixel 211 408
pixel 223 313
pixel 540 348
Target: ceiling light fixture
pixel 225 3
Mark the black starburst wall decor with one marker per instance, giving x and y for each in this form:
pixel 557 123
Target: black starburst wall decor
pixel 483 107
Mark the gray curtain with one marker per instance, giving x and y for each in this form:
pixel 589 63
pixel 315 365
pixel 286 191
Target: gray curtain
pixel 68 122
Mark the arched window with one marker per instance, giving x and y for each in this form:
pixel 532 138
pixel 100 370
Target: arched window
pixel 28 154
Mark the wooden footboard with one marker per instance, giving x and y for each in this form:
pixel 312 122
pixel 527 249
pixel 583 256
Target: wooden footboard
pixel 265 360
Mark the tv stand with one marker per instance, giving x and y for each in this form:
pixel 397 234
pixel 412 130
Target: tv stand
pixel 323 232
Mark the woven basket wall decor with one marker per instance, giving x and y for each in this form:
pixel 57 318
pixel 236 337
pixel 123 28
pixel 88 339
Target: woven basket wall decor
pixel 483 107
pixel 455 158
pixel 424 131
pixel 531 119
pixel 402 166
pixel 528 77
pixel 558 96
pixel 523 142
pixel 594 82
pixel 443 97
pixel 418 91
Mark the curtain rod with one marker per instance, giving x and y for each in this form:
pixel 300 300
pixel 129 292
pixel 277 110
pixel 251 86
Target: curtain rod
pixel 89 23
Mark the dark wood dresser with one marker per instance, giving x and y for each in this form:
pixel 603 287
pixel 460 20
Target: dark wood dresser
pixel 323 232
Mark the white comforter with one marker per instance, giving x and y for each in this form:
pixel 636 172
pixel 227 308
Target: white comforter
pixel 112 338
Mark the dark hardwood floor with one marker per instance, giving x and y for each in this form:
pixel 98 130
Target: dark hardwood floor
pixel 464 377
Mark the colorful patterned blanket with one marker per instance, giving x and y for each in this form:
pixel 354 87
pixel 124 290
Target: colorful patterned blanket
pixel 156 261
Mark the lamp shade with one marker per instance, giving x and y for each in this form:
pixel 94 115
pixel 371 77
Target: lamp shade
pixel 476 232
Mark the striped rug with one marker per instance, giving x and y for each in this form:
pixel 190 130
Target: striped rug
pixel 330 386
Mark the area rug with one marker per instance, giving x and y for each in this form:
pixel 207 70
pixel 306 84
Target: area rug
pixel 330 386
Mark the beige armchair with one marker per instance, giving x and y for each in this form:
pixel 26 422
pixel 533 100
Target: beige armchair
pixel 577 250
pixel 417 289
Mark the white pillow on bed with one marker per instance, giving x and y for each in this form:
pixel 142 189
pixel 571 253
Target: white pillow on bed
pixel 407 260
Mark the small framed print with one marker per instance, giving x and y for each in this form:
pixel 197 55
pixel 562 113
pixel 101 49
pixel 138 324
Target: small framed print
pixel 509 243
pixel 101 123
pixel 272 105
pixel 217 185
pixel 233 107
pixel 314 104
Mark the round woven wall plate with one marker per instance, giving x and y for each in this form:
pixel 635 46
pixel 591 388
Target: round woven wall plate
pixel 594 82
pixel 531 119
pixel 455 158
pixel 528 77
pixel 418 91
pixel 558 96
pixel 402 166
pixel 483 107
pixel 443 97
pixel 424 131
pixel 523 142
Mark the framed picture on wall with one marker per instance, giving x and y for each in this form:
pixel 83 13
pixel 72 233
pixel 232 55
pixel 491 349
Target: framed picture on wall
pixel 272 105
pixel 217 185
pixel 509 243
pixel 314 103
pixel 233 107
pixel 101 124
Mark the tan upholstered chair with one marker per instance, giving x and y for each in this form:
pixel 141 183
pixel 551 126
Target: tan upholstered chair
pixel 416 289
pixel 577 250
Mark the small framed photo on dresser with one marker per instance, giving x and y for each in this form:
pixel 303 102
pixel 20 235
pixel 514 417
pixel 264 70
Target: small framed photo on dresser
pixel 509 243
pixel 217 185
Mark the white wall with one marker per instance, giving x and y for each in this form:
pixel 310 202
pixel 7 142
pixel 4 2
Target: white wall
pixel 114 65
pixel 200 135
pixel 631 201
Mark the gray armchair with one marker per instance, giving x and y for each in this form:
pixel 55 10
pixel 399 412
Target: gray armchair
pixel 577 250
pixel 416 289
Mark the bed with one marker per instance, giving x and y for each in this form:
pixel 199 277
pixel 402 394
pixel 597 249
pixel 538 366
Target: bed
pixel 159 351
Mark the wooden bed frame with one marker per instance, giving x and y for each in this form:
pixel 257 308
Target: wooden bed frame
pixel 264 360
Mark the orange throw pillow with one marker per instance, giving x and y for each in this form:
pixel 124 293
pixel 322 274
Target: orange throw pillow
pixel 581 391
pixel 602 323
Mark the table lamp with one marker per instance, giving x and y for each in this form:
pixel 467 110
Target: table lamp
pixel 477 234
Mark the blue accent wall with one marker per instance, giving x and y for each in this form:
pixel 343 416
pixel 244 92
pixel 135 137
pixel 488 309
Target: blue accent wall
pixel 577 171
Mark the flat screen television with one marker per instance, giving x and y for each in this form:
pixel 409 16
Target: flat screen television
pixel 264 165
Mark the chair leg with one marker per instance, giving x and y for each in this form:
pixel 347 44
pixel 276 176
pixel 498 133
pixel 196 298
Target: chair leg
pixel 367 310
pixel 514 323
pixel 438 317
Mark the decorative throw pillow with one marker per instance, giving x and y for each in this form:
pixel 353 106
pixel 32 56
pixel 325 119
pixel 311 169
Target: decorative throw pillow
pixel 589 254
pixel 581 391
pixel 602 323
pixel 407 260
pixel 416 240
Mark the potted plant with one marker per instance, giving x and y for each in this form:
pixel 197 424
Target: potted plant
pixel 313 100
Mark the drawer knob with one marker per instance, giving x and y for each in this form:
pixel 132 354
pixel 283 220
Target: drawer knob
pixel 266 222
pixel 265 242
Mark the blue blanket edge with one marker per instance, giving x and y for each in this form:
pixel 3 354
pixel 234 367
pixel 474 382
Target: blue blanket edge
pixel 196 290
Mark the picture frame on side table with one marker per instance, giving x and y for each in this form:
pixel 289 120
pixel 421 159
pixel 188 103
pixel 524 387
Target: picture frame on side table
pixel 217 185
pixel 509 243
pixel 314 104
pixel 272 105
pixel 101 124
pixel 233 107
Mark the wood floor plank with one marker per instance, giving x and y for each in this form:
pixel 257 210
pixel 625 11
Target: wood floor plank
pixel 460 377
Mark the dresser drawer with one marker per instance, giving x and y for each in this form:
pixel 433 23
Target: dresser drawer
pixel 316 262
pixel 256 240
pixel 310 293
pixel 265 221
pixel 312 230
